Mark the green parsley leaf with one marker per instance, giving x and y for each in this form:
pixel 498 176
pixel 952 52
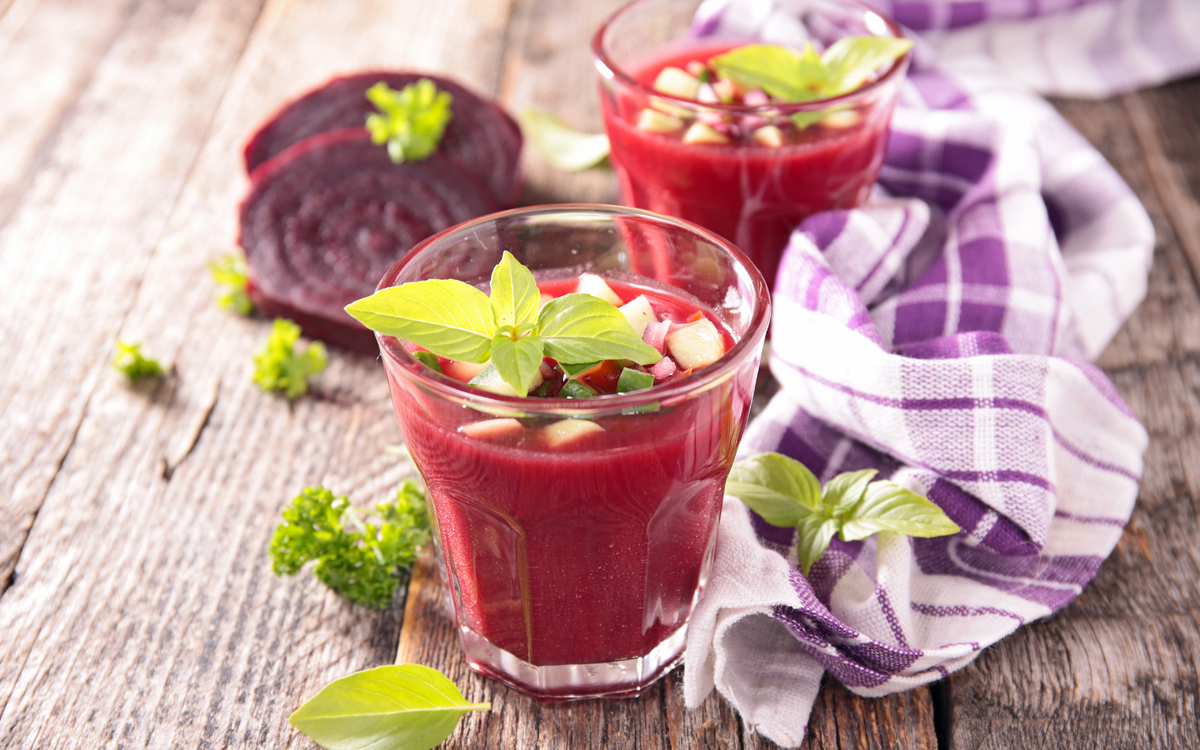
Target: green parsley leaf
pixel 515 297
pixel 232 277
pixel 886 506
pixel 785 493
pixel 280 367
pixel 130 360
pixel 448 317
pixel 584 328
pixel 517 360
pixel 563 147
pixel 410 121
pixel 397 707
pixel 361 565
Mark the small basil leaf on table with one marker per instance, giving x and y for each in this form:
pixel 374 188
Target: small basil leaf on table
pixel 397 707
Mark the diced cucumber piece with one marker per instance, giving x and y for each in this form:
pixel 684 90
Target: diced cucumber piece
pixel 568 431
pixel 489 380
pixel 577 371
pixel 590 283
pixel 463 372
pixel 489 429
pixel 769 136
pixel 634 380
pixel 427 358
pixel 676 82
pixel 653 121
pixel 575 389
pixel 639 313
pixel 699 133
pixel 695 344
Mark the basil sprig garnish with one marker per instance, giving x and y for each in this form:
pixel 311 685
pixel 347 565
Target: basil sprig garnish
pixel 397 707
pixel 455 320
pixel 785 493
pixel 793 77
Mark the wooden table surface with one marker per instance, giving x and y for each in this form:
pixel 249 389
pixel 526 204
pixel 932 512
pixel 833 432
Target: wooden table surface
pixel 137 605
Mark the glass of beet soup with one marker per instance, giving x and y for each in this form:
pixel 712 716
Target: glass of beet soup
pixel 769 165
pixel 577 533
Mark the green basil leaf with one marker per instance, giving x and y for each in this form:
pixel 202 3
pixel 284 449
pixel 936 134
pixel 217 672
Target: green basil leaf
pixel 815 532
pixel 449 318
pixel 397 707
pixel 843 492
pixel 515 295
pixel 854 59
pixel 560 145
pixel 780 489
pixel 886 506
pixel 583 328
pixel 411 121
pixel 517 361
pixel 785 74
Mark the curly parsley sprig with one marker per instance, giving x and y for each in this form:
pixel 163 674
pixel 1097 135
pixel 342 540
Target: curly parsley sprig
pixel 280 367
pixel 130 360
pixel 364 566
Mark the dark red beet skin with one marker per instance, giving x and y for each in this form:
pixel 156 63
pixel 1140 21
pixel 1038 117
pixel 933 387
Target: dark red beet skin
pixel 481 138
pixel 327 217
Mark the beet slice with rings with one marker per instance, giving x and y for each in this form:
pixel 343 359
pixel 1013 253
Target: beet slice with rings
pixel 326 218
pixel 481 137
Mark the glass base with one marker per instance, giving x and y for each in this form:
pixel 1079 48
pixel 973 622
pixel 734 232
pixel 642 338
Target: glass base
pixel 627 678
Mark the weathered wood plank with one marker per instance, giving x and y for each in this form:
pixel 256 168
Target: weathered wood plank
pixel 1117 668
pixel 42 79
pixel 143 611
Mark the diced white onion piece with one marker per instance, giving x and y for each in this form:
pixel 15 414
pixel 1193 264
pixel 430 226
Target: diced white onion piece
pixel 677 82
pixel 699 133
pixel 769 136
pixel 725 90
pixel 653 121
pixel 656 333
pixel 490 429
pixel 463 372
pixel 695 344
pixel 663 369
pixel 707 95
pixel 568 431
pixel 639 313
pixel 590 283
pixel 841 120
pixel 756 98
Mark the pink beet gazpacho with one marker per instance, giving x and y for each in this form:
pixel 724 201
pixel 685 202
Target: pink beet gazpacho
pixel 576 500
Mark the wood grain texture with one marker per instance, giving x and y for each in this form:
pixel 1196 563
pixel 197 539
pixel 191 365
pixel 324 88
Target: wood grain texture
pixel 143 611
pixel 1117 668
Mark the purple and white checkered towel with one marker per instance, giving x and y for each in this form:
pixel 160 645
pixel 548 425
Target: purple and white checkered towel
pixel 939 335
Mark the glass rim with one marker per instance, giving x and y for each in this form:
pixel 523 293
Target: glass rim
pixel 604 63
pixel 674 391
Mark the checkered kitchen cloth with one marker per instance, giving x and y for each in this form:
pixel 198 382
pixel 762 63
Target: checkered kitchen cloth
pixel 941 335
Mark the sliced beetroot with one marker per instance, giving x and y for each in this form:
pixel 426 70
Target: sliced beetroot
pixel 481 138
pixel 325 219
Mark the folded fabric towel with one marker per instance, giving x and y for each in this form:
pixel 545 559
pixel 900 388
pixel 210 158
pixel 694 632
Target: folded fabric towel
pixel 939 334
